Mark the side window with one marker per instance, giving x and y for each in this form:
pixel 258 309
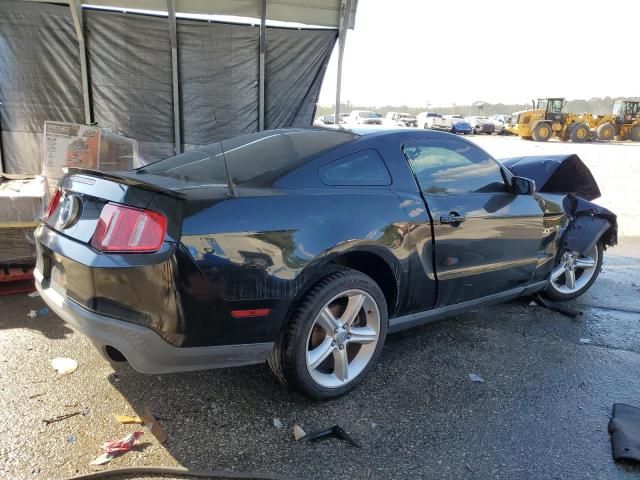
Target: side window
pixel 361 168
pixel 451 167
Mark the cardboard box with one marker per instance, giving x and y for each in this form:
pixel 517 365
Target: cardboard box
pixel 85 146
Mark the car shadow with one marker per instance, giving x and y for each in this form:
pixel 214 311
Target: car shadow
pixel 14 313
pixel 416 405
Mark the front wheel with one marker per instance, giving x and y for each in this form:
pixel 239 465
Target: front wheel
pixel 333 337
pixel 574 273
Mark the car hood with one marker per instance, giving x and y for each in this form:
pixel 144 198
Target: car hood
pixel 556 174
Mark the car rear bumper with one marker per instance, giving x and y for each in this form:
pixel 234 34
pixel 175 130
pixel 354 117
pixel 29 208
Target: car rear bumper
pixel 144 349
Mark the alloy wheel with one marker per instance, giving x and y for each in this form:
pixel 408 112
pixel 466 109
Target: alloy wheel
pixel 342 339
pixel 574 271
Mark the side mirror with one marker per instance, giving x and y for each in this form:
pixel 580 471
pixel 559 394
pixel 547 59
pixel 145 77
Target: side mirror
pixel 523 186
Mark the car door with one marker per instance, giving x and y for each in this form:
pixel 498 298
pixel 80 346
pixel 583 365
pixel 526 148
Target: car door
pixel 486 239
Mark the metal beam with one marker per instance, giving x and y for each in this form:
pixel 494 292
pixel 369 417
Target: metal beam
pixel 263 47
pixel 345 13
pixel 76 14
pixel 177 136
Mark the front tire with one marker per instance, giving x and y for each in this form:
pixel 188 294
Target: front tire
pixel 542 132
pixel 635 133
pixel 574 273
pixel 605 132
pixel 333 336
pixel 579 133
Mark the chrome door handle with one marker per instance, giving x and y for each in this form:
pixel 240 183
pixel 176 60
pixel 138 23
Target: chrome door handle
pixel 453 218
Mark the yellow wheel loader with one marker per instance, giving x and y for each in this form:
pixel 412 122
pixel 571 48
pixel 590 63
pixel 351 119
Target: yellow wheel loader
pixel 622 124
pixel 546 119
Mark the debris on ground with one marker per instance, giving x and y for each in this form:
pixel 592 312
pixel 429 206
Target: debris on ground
pixel 298 432
pixel 38 313
pixel 557 307
pixel 59 418
pixel 126 419
pixel 585 340
pixel 474 377
pixel 33 294
pixel 114 448
pixel 624 428
pixel 102 459
pixel 36 395
pixel 151 422
pixel 277 423
pixel 64 365
pixel 332 432
pixel 71 439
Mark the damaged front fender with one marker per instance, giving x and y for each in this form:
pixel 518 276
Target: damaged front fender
pixel 588 223
pixel 567 174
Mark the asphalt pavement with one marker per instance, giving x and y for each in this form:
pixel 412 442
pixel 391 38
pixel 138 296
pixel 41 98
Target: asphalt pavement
pixel 540 413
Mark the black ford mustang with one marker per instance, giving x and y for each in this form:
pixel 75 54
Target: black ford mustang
pixel 309 246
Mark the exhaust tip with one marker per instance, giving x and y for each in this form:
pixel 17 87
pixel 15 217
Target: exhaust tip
pixel 114 354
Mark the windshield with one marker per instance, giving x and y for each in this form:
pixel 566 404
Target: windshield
pixel 552 105
pixel 626 108
pixel 369 115
pixel 253 160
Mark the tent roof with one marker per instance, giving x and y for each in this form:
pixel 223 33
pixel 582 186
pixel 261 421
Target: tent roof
pixel 325 13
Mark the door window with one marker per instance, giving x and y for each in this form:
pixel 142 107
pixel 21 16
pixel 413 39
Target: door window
pixel 452 167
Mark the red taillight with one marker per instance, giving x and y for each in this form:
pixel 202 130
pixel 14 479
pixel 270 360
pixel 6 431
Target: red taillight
pixel 53 203
pixel 128 229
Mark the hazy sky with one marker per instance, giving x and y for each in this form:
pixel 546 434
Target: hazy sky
pixel 417 51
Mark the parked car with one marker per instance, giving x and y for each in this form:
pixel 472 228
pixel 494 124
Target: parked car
pixel 395 119
pixel 365 117
pixel 305 247
pixel 500 121
pixel 325 120
pixel 460 125
pixel 433 121
pixel 498 126
pixel 480 125
pixel 501 118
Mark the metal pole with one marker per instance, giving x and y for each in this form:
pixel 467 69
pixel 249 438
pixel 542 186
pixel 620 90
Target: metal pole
pixel 177 137
pixel 345 10
pixel 263 45
pixel 76 15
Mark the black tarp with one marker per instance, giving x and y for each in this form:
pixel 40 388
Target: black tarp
pixel 130 72
pixel 218 70
pixel 130 78
pixel 294 69
pixel 39 79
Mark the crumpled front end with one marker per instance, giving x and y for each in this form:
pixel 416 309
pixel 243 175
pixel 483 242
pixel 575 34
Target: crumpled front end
pixel 567 174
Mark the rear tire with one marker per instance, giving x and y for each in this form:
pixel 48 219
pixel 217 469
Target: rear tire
pixel 542 132
pixel 579 133
pixel 585 271
pixel 635 133
pixel 605 132
pixel 333 336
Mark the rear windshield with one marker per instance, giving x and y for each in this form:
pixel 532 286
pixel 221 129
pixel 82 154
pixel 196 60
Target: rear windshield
pixel 254 160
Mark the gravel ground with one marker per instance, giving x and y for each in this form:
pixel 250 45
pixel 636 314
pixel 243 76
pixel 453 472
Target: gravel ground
pixel 541 412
